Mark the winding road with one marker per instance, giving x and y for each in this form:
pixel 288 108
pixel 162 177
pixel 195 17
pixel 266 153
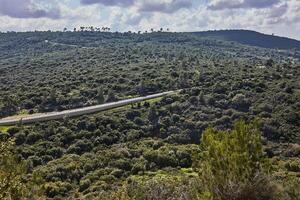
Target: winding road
pixel 77 112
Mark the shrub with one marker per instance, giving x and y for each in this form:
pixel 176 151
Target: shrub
pixel 156 189
pixel 53 189
pixel 293 165
pixel 240 102
pixel 84 184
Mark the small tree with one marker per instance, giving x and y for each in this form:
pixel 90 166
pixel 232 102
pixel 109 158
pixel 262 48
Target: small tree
pixel 240 102
pixel 231 165
pixel 111 96
pixel 152 115
pixel 100 96
pixel 201 97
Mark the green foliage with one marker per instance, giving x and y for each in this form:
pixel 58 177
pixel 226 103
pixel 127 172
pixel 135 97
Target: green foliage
pixel 232 165
pixel 13 183
pixel 100 96
pixel 152 115
pixel 58 188
pixel 111 96
pixel 252 38
pixel 223 82
pixel 293 165
pixel 158 187
pixel 292 187
pixel 4 129
pixel 11 171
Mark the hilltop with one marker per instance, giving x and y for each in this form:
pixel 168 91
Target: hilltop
pixel 252 38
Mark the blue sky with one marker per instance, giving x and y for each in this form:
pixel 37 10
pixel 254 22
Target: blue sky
pixel 281 17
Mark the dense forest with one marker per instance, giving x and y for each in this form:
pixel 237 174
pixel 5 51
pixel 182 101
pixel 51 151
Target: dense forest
pixel 231 92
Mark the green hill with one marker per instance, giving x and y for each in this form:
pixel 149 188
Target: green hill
pixel 252 38
pixel 148 147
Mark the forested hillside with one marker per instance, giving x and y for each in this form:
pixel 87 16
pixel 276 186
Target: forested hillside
pixel 149 145
pixel 253 38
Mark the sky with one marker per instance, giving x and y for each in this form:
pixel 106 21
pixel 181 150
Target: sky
pixel 279 17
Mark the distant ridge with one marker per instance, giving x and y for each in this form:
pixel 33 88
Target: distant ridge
pixel 252 38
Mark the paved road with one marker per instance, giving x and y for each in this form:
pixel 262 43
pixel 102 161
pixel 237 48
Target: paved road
pixel 78 112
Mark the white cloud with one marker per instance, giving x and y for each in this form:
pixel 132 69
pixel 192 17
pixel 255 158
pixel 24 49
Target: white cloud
pixel 28 9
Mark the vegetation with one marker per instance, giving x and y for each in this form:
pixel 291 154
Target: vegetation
pixel 232 165
pixel 13 183
pixel 147 148
pixel 253 38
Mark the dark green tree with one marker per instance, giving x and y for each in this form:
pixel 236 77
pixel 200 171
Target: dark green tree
pixel 100 96
pixel 111 96
pixel 152 115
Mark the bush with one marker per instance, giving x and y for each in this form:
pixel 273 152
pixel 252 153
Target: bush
pixel 33 137
pixel 240 102
pixel 84 184
pixel 53 189
pixel 293 165
pixel 164 188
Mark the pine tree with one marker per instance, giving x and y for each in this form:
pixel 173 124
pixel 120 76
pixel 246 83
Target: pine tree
pixel 230 164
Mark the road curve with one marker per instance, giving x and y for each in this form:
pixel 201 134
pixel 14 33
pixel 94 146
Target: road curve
pixel 79 111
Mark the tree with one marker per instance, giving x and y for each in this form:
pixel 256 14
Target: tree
pixel 9 106
pixel 111 96
pixel 201 97
pixel 241 103
pixel 152 115
pixel 142 89
pixel 231 165
pixel 100 96
pixel 269 63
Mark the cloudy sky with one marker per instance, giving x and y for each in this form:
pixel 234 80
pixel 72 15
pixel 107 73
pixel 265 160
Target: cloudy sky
pixel 281 17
